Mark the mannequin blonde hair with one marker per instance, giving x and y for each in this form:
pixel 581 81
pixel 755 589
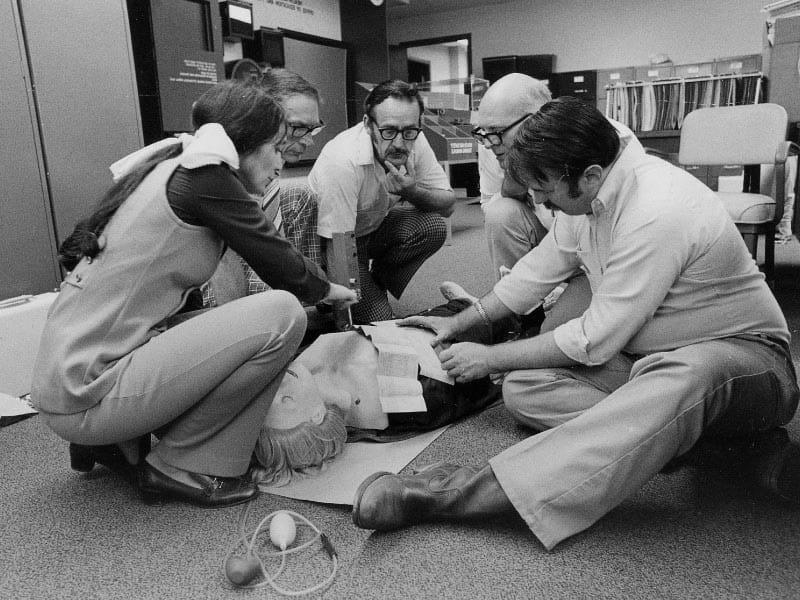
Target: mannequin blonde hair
pixel 285 453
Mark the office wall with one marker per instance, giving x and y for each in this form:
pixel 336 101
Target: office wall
pixel 597 34
pixel 69 107
pixel 364 32
pixel 86 98
pixel 438 57
pixel 324 66
pixel 446 62
pixel 315 17
pixel 27 242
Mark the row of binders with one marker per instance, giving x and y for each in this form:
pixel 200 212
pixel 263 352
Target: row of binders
pixel 662 104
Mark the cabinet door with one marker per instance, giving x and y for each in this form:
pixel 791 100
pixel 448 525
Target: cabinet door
pixel 82 64
pixel 27 244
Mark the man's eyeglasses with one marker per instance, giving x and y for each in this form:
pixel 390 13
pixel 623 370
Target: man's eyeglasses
pixel 389 133
pixel 302 130
pixel 495 138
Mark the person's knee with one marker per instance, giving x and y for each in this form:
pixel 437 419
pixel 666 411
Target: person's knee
pixel 516 403
pixel 429 233
pixel 500 212
pixel 523 400
pixel 436 230
pixel 279 309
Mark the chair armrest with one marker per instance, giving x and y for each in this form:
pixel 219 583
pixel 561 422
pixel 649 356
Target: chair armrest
pixel 785 150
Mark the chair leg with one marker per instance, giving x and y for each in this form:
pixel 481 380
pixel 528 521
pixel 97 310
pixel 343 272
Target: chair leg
pixel 751 241
pixel 769 258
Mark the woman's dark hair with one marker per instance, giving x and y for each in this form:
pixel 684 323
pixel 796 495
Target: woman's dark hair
pixel 392 88
pixel 247 113
pixel 562 138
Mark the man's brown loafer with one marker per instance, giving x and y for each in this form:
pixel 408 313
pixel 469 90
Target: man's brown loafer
pixel 215 492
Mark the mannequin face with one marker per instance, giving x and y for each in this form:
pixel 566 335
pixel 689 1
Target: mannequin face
pixel 302 398
pixel 297 401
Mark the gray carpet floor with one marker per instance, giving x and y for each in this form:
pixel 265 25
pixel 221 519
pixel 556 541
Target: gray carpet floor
pixel 688 534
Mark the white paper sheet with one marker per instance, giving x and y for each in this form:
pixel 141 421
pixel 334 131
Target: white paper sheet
pixel 337 484
pixel 11 406
pixel 399 389
pixel 400 395
pixel 418 339
pixel 22 320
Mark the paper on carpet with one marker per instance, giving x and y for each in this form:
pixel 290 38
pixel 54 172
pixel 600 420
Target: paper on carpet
pixel 338 481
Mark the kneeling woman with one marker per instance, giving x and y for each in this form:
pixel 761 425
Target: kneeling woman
pixel 110 369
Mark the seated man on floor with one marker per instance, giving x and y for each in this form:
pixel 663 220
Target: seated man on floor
pixel 682 341
pixel 292 207
pixel 381 180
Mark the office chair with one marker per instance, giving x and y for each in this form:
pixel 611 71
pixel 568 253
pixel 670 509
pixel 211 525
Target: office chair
pixel 749 135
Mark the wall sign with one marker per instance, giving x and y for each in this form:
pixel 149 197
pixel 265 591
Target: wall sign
pixel 314 17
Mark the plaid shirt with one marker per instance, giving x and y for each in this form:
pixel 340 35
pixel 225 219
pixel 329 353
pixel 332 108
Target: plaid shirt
pixel 293 210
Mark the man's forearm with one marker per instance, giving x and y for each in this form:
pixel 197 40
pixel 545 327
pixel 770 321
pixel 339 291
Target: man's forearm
pixel 538 352
pixel 430 200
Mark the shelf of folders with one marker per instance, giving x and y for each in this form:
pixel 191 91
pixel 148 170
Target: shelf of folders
pixel 661 104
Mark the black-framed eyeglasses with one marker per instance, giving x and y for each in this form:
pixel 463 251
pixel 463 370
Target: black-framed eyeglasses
pixel 296 131
pixel 389 133
pixel 495 138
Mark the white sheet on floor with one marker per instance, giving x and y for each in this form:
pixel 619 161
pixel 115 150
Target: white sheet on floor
pixel 338 482
pixel 21 322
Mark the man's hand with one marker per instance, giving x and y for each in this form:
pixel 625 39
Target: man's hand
pixel 466 361
pixel 401 180
pixel 444 327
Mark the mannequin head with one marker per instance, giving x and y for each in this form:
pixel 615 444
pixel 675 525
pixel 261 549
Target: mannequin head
pixel 303 428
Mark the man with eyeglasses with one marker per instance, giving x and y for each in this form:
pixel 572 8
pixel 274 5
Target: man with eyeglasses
pixel 682 356
pixel 291 206
pixel 381 179
pixel 513 223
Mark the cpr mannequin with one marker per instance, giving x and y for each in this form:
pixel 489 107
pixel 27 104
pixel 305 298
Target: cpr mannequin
pixel 330 385
pixel 331 389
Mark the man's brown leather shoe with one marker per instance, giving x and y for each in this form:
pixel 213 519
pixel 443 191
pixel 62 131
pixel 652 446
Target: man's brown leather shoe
pixel 440 492
pixel 216 492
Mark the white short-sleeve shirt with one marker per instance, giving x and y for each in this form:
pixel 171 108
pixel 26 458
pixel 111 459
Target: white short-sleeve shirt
pixel 350 183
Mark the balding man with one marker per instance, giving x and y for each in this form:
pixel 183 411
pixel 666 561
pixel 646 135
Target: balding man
pixel 513 223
